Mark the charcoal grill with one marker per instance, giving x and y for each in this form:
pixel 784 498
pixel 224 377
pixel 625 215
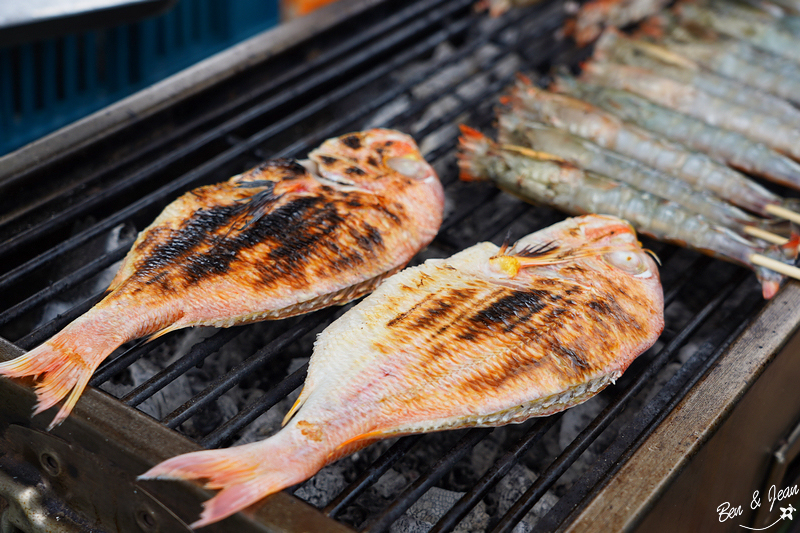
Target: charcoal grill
pixel 651 452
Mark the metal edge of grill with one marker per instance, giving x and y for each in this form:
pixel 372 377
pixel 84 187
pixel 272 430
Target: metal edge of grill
pixel 129 440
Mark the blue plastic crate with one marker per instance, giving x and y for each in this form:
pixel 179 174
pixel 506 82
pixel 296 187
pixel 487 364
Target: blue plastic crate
pixel 47 84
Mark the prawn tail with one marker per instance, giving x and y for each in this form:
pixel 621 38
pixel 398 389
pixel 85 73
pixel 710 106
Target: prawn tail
pixel 62 366
pixel 472 149
pixel 242 474
pixel 785 253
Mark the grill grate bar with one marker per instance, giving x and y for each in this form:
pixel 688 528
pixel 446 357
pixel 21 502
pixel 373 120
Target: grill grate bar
pixel 372 474
pixel 226 432
pixel 700 262
pixel 306 143
pixel 383 521
pixel 65 283
pixel 578 445
pixel 467 502
pixel 196 355
pixel 45 331
pixel 114 366
pixel 222 384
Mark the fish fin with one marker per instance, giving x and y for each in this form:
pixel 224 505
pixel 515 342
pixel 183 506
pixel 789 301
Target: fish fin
pixel 61 367
pixel 297 404
pixel 245 474
pixel 360 438
pixel 162 332
pixel 472 145
pixel 512 262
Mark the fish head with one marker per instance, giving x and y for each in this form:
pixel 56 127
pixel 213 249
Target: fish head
pixel 372 160
pixel 598 252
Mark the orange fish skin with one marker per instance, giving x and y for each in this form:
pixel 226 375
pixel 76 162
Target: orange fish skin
pixel 282 239
pixel 484 338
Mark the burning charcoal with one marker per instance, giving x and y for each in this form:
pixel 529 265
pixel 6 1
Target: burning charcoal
pixel 323 487
pixel 576 419
pixel 390 484
pixel 115 237
pixel 485 453
pixel 511 488
pixel 269 422
pixel 432 506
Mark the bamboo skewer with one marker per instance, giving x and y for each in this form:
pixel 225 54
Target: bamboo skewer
pixel 765 235
pixel 757 259
pixel 782 212
pixel 777 266
pixel 530 152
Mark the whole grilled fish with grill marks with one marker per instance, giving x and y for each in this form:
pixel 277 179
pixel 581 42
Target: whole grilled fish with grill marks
pixel 283 239
pixel 487 337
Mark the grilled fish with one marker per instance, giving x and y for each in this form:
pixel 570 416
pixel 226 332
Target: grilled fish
pixel 487 337
pixel 283 239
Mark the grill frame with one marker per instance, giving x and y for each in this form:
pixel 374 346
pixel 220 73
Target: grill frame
pixel 281 511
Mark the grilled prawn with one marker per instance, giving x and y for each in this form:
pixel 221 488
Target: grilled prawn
pixel 595 15
pixel 485 338
pixel 563 186
pixel 589 156
pixel 761 33
pixel 770 130
pixel 283 239
pixel 727 56
pixel 603 128
pixel 615 47
pixel 734 148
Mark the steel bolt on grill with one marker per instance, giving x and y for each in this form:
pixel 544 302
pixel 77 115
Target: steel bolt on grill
pixel 71 204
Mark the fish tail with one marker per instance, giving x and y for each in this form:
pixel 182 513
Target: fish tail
pixel 473 145
pixel 243 474
pixel 63 365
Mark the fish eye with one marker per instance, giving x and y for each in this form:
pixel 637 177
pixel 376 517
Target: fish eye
pixel 406 166
pixel 632 263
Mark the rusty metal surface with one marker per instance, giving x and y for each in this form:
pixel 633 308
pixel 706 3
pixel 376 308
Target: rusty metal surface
pixel 104 444
pixel 624 503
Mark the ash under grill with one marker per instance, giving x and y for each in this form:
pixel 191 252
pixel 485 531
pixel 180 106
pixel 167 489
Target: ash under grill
pixel 422 68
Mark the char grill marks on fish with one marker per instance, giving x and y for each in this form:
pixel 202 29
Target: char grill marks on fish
pixel 267 239
pixel 285 238
pixel 484 314
pixel 486 337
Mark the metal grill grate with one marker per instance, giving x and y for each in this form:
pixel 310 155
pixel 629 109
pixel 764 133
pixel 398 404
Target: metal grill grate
pixel 421 68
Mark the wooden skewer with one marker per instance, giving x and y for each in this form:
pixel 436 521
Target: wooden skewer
pixel 777 266
pixel 782 212
pixel 535 154
pixel 765 235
